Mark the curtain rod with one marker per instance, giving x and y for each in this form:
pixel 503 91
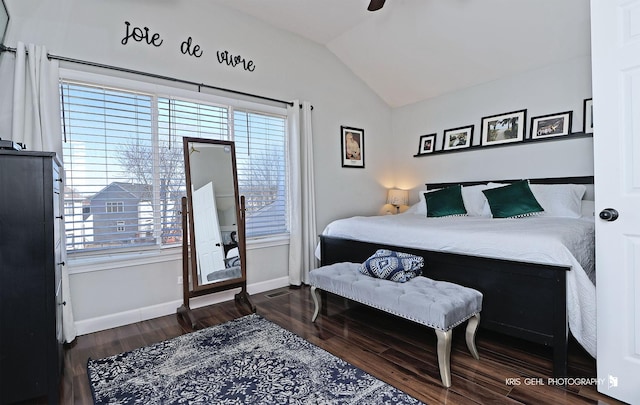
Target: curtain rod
pixel 4 48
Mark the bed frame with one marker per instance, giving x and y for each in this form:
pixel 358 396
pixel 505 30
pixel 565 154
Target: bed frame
pixel 524 300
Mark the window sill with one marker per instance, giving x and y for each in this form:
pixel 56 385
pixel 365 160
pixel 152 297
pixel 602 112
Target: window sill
pixel 268 241
pixel 112 261
pixel 119 260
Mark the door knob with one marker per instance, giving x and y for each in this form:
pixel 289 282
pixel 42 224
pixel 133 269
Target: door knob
pixel 609 214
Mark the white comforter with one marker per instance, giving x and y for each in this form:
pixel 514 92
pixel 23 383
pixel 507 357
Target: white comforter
pixel 562 241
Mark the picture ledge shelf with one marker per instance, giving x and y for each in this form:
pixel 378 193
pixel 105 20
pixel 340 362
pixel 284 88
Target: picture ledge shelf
pixel 574 135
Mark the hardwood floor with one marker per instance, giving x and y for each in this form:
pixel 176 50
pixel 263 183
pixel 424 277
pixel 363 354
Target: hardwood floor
pixel 399 352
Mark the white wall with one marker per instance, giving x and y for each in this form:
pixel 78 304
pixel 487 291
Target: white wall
pixel 555 88
pixel 287 67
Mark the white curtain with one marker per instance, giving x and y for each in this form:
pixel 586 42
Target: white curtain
pixel 303 236
pixel 36 100
pixel 36 124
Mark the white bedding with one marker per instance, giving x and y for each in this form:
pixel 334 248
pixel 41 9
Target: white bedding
pixel 549 240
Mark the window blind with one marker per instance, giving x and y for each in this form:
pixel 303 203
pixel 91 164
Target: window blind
pixel 262 171
pixel 108 147
pixel 125 172
pixel 176 119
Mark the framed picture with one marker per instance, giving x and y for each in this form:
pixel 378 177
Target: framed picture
pixel 588 116
pixel 503 128
pixel 427 144
pixel 551 125
pixel 457 138
pixel 352 140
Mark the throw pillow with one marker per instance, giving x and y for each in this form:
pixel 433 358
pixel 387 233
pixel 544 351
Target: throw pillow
pixel 512 201
pixel 391 265
pixel 445 202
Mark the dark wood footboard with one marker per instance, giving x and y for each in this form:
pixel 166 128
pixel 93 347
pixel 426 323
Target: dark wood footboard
pixel 524 300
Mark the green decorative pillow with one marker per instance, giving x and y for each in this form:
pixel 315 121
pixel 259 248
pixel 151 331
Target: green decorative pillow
pixel 445 202
pixel 512 201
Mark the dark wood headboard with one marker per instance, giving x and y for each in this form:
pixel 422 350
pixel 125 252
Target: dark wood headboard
pixel 545 180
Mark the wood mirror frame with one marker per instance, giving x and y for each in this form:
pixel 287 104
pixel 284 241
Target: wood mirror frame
pixel 212 213
pixel 4 21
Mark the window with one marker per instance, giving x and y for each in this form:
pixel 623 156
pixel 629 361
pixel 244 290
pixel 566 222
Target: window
pixel 262 171
pixel 124 165
pixel 114 206
pixel 101 127
pixel 68 209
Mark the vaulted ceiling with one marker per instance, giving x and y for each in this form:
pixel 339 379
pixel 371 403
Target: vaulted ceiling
pixel 412 50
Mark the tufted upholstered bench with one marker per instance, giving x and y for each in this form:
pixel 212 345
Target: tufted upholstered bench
pixel 437 304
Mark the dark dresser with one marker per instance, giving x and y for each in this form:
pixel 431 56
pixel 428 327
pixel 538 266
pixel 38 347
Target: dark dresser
pixel 31 203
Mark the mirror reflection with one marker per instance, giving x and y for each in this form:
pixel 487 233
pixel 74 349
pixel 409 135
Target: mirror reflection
pixel 212 192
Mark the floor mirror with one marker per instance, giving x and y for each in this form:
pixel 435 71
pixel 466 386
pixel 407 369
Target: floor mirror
pixel 214 249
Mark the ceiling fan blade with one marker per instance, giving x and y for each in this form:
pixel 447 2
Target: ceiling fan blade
pixel 375 5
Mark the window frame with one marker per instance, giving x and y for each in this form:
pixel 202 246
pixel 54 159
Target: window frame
pixel 109 258
pixel 121 226
pixel 109 205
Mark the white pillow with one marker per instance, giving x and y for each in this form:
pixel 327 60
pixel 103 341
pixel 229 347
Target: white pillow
pixel 560 200
pixel 420 208
pixel 474 201
pixel 415 208
pixel 588 208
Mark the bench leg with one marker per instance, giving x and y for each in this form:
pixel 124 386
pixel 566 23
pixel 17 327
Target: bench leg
pixel 317 301
pixel 472 327
pixel 444 355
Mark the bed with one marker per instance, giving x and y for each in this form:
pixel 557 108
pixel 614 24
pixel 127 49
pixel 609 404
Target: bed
pixel 536 272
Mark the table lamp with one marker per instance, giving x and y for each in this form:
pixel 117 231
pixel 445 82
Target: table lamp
pixel 397 197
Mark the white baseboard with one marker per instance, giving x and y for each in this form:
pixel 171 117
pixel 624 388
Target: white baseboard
pixel 97 324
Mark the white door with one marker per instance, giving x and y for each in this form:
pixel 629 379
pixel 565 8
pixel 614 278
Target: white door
pixel 615 43
pixel 207 232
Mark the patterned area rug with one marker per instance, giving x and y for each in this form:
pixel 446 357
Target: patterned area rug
pixel 249 360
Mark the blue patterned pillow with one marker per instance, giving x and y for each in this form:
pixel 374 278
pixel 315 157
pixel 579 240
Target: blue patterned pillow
pixel 391 265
